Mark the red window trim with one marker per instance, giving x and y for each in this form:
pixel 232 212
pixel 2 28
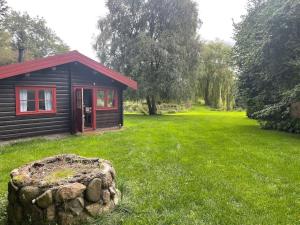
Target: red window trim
pixel 106 89
pixel 37 111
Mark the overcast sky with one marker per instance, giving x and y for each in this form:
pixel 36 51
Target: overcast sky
pixel 75 22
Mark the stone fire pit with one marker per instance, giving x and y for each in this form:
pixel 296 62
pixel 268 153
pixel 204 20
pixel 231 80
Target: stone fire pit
pixel 64 189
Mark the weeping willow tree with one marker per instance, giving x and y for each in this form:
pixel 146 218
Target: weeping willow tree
pixel 156 42
pixel 216 77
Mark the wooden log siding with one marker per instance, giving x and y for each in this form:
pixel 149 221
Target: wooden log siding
pixel 12 126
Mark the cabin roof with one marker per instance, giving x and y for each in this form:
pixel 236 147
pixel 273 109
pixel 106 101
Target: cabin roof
pixel 72 56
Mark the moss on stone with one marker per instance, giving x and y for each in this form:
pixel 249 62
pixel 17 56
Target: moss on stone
pixel 60 174
pixel 19 179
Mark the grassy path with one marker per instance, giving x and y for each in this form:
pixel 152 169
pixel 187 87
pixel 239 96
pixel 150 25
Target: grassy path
pixel 200 167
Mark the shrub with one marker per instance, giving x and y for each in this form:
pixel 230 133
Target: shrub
pixel 278 116
pixel 163 108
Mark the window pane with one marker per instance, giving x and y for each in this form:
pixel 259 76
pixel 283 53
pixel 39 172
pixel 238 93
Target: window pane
pixel 30 95
pixel 23 106
pixel 41 94
pixel 23 100
pixel 110 99
pixel 27 100
pixel 100 102
pixel 30 106
pixel 23 95
pixel 78 99
pixel 115 100
pixel 42 105
pixel 100 99
pixel 48 100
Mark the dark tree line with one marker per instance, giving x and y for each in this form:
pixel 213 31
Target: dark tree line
pixel 267 53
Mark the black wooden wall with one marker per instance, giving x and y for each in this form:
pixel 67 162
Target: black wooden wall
pixel 12 126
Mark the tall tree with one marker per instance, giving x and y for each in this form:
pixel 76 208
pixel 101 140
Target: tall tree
pixel 216 76
pixel 6 53
pixel 267 54
pixel 33 36
pixel 3 9
pixel 156 42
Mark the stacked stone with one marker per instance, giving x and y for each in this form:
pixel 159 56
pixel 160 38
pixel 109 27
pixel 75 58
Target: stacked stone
pixel 83 197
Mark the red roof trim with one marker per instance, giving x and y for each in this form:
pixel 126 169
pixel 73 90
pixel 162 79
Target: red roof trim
pixel 73 56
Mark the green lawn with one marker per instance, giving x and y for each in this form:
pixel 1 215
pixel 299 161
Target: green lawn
pixel 200 167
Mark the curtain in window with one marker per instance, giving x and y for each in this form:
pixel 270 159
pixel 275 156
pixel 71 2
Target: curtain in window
pixel 48 100
pixel 23 100
pixel 100 98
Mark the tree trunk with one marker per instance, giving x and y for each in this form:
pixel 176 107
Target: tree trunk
pixel 206 93
pixel 154 108
pixel 151 105
pixel 21 55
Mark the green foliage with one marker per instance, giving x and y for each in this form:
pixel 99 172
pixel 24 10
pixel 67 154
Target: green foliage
pixel 7 55
pixel 267 52
pixel 216 76
pixel 162 108
pixel 154 41
pixel 135 107
pixel 199 167
pixel 278 116
pixel 3 9
pixel 169 108
pixel 32 35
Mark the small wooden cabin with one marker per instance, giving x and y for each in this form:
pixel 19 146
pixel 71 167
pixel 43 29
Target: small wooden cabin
pixel 63 93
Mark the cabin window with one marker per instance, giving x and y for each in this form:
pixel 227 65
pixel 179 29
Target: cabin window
pixel 35 100
pixel 101 98
pixel 107 98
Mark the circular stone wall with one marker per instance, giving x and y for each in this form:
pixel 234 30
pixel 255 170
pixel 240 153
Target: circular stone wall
pixel 64 190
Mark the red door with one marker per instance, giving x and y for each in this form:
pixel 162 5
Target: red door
pixel 79 110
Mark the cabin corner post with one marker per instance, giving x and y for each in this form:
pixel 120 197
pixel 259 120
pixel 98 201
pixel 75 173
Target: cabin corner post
pixel 121 108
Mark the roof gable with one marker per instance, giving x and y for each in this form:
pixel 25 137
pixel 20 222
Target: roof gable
pixel 51 61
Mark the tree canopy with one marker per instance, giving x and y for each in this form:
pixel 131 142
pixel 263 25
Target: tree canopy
pixel 216 79
pixel 33 35
pixel 19 31
pixel 7 55
pixel 267 53
pixel 156 42
pixel 3 9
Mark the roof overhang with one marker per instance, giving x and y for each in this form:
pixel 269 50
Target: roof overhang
pixel 56 60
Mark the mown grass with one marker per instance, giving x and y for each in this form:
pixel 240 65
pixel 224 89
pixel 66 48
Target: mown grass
pixel 200 167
